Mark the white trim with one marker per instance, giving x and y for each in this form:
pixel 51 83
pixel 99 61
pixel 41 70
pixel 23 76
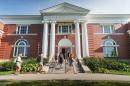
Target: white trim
pixel 17 45
pixel 20 46
pixel 109 33
pixel 65 33
pixel 18 28
pixel 110 28
pixel 29 34
pixel 110 40
pixel 60 26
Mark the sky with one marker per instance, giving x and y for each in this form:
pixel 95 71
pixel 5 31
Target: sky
pixel 33 7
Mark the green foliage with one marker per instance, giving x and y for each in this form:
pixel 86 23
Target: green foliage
pixel 7 66
pixel 31 65
pixel 103 70
pixel 64 83
pixel 104 65
pixel 28 65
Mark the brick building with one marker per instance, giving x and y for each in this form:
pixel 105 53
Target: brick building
pixel 65 27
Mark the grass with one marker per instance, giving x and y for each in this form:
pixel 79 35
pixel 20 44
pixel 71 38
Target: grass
pixel 118 72
pixel 6 72
pixel 63 83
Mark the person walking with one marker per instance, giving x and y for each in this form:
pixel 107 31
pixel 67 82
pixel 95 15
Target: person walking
pixel 40 63
pixel 60 59
pixel 18 62
pixel 73 63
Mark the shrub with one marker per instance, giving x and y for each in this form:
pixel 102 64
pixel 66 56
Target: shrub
pixel 94 63
pixel 31 65
pixel 102 70
pixel 28 65
pixel 7 66
pixel 103 65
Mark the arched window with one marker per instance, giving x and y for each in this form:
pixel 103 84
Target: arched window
pixel 110 48
pixel 20 47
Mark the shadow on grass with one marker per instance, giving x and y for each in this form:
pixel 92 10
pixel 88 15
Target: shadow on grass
pixel 63 83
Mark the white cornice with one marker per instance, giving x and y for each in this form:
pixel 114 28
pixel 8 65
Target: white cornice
pixel 90 18
pixel 21 19
pixel 108 15
pixel 107 18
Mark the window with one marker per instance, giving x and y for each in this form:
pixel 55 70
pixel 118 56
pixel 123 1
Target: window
pixel 107 29
pixel 64 29
pixel 110 48
pixel 20 47
pixel 22 29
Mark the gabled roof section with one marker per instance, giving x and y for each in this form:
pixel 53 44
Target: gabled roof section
pixel 64 8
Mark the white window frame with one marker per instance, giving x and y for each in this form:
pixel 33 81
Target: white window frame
pixel 17 45
pixel 111 41
pixel 59 31
pixel 18 30
pixel 110 27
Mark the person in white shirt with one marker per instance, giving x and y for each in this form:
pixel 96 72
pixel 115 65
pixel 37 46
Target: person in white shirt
pixel 18 63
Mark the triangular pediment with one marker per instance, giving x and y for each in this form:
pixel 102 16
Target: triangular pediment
pixel 65 8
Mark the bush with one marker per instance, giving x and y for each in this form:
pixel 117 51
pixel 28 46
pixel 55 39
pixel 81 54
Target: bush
pixel 102 70
pixel 28 65
pixel 103 65
pixel 31 65
pixel 7 66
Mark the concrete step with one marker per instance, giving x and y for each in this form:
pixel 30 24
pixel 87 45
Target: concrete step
pixel 55 68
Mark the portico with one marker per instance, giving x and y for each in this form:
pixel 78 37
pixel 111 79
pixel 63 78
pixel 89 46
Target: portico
pixel 65 13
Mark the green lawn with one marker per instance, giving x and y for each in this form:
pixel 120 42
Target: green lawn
pixel 110 72
pixel 6 72
pixel 118 72
pixel 64 83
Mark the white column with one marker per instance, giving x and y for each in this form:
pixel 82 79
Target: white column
pixel 77 40
pixel 52 40
pixel 85 48
pixel 45 39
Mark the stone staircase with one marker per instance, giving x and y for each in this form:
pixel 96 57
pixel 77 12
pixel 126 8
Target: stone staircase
pixel 54 68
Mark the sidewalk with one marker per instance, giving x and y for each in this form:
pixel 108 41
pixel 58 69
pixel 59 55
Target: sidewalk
pixel 80 76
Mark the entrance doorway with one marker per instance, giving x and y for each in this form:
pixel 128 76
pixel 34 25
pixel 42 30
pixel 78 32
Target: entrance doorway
pixel 65 50
pixel 64 46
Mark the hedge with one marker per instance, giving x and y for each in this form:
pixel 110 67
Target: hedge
pixel 103 65
pixel 28 65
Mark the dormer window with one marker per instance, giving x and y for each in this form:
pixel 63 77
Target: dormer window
pixel 107 29
pixel 22 29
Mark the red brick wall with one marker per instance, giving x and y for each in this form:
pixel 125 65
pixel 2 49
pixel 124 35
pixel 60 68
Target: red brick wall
pixel 9 40
pixel 95 40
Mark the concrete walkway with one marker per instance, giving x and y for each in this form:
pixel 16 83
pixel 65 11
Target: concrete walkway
pixel 79 76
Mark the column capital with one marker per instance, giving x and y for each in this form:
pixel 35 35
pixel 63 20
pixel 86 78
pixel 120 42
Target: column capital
pixel 52 21
pixel 76 21
pixel 80 21
pixel 85 22
pixel 45 21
